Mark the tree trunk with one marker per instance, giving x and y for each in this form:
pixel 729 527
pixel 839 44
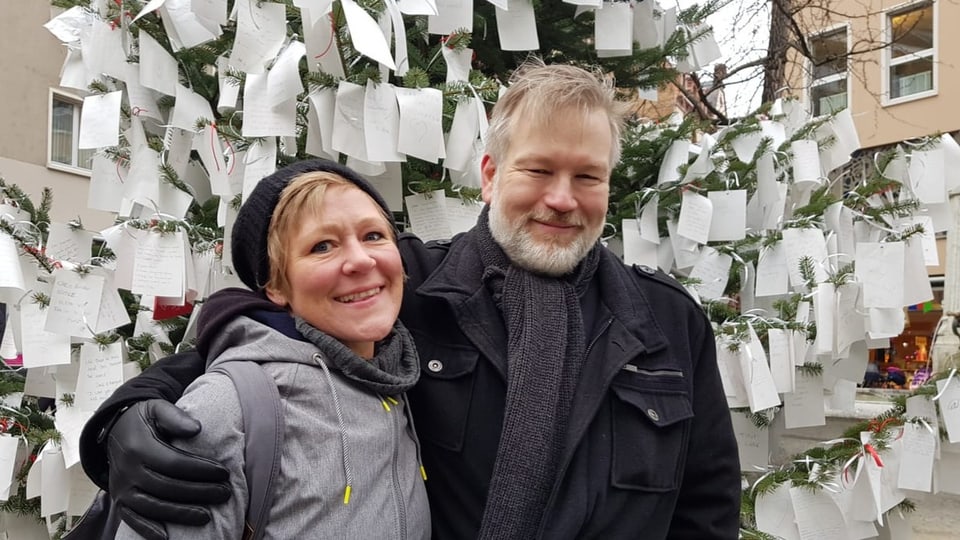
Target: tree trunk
pixel 775 65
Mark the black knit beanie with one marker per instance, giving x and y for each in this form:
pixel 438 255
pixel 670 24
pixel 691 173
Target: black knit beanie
pixel 249 239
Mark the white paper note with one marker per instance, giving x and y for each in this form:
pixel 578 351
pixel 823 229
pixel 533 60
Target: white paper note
pixel 732 205
pixel 804 406
pixel 696 213
pixel 753 443
pixel 101 372
pixel 919 451
pixel 74 303
pixel 713 271
pixel 421 130
pixel 517 27
pixel 451 15
pixel 159 266
pixel 381 122
pixel 261 30
pixel 879 267
pixel 428 215
pixel 158 69
pixel 100 121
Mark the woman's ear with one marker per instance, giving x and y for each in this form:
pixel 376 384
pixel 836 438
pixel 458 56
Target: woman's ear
pixel 276 296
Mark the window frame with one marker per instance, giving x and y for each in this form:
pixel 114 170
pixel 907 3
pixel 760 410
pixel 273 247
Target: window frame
pixel 829 79
pixel 77 101
pixel 888 63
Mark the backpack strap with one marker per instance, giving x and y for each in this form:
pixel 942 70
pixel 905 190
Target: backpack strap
pixel 262 413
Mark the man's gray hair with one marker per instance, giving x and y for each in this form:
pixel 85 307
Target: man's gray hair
pixel 539 93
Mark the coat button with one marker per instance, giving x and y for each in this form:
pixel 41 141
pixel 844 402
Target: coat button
pixel 435 366
pixel 646 269
pixel 653 415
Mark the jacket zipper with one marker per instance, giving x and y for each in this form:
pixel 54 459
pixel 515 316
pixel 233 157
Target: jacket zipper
pixel 397 491
pixel 653 372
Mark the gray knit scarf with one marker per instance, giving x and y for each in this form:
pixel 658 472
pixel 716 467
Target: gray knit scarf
pixel 393 369
pixel 545 350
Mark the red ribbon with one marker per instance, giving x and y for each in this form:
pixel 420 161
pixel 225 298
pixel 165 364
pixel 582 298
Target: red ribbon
pixel 876 457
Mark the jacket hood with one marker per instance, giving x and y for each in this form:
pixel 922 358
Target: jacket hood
pixel 226 305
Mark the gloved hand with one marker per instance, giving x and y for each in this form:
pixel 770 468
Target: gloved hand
pixel 154 482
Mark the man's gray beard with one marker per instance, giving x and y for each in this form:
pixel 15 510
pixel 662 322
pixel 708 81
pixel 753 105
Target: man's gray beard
pixel 538 257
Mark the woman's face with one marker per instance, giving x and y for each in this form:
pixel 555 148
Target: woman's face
pixel 344 270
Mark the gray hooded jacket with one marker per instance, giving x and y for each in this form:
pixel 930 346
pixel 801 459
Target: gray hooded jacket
pixel 337 432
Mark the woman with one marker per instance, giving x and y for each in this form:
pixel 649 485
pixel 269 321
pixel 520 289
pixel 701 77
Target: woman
pixel 316 244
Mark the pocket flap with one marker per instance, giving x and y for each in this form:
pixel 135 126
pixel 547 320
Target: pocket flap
pixel 448 362
pixel 660 408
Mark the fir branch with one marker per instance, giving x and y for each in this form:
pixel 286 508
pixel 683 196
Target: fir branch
pixel 810 369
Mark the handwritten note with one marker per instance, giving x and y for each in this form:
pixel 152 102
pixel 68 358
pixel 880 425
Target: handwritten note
pixel 804 406
pixel 428 215
pixel 261 30
pixel 800 243
pixel 39 347
pixel 818 516
pixel 919 451
pixel 159 265
pixel 696 213
pixel 348 122
pixel 260 118
pixel 74 303
pixel 381 122
pixel 950 406
pixel 421 132
pixel 879 267
pixel 774 512
pixel 753 443
pixel 101 372
pixel 713 271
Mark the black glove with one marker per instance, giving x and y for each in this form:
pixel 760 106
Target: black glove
pixel 152 481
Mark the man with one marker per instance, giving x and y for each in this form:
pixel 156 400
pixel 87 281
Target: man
pixel 563 395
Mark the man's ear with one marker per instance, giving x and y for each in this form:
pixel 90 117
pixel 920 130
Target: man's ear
pixel 488 171
pixel 276 296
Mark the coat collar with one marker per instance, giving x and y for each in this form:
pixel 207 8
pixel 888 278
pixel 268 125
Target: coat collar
pixel 457 280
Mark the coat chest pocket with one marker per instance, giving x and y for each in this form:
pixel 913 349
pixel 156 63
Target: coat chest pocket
pixel 443 394
pixel 650 434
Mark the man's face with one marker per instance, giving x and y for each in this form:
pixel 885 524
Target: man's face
pixel 548 197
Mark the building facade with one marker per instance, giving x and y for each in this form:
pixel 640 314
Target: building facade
pixel 893 65
pixel 38 145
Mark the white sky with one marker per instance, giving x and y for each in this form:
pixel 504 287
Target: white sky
pixel 741 29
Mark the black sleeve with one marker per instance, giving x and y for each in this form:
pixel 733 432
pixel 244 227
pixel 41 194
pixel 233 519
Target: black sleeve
pixel 166 379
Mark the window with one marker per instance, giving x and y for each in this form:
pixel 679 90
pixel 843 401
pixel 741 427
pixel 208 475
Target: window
pixel 828 88
pixel 911 51
pixel 65 134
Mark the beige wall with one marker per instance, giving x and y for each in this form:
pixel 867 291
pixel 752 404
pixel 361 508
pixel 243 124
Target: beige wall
pixel 30 66
pixel 69 192
pixel 30 61
pixel 879 124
